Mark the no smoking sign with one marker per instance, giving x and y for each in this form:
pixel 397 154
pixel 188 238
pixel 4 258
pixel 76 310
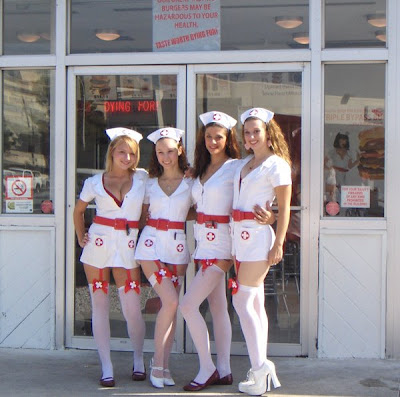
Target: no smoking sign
pixel 19 188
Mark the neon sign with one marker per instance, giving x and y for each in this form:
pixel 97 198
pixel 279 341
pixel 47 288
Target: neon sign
pixel 130 106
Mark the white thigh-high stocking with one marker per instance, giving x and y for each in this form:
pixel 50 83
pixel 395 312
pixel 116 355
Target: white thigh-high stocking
pixel 259 306
pixel 199 289
pixel 164 322
pixel 101 329
pixel 221 322
pixel 243 301
pixel 170 340
pixel 130 304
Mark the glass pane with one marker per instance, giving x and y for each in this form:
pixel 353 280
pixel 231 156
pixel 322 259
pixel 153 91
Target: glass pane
pixel 27 108
pixel 354 153
pixel 154 25
pixel 233 93
pixel 355 24
pixel 28 27
pixel 139 102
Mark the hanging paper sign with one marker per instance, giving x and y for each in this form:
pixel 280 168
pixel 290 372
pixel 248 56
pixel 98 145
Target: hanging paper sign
pixel 187 25
pixel 355 196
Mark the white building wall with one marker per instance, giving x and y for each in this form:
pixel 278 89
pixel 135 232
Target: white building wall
pixel 27 309
pixel 352 294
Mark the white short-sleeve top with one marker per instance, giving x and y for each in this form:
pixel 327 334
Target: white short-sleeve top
pixel 167 246
pixel 108 247
pixel 131 208
pixel 258 186
pixel 214 197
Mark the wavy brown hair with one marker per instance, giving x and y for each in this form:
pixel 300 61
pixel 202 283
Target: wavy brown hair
pixel 279 145
pixel 202 157
pixel 156 170
pixel 114 143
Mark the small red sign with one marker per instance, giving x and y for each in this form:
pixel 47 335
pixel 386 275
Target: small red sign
pixel 332 208
pixel 46 206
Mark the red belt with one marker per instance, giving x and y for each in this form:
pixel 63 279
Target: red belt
pixel 117 223
pixel 165 224
pixel 238 215
pixel 203 218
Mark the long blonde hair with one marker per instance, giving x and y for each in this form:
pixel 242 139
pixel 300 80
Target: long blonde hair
pixel 114 143
pixel 279 145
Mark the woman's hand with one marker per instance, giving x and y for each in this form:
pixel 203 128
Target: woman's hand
pixel 275 255
pixel 84 240
pixel 264 216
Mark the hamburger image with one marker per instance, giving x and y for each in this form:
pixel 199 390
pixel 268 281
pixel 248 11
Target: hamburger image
pixel 100 85
pixel 372 153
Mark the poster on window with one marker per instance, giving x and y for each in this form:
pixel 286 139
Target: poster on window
pixel 188 25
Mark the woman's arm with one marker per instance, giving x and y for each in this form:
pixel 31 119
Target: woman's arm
pixel 145 216
pixel 283 195
pixel 79 222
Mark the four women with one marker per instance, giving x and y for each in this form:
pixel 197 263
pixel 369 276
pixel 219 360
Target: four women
pixel 221 183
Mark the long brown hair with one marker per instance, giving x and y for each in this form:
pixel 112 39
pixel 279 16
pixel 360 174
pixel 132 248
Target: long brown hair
pixel 156 170
pixel 279 145
pixel 202 156
pixel 114 143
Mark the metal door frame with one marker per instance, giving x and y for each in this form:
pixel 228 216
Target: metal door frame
pixel 275 349
pixel 84 342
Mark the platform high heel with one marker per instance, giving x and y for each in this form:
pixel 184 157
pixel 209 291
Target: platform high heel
pixel 272 375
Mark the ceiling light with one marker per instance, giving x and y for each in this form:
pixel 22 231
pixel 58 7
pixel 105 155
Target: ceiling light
pixel 45 35
pixel 289 22
pixel 381 35
pixel 301 38
pixel 377 20
pixel 28 37
pixel 107 34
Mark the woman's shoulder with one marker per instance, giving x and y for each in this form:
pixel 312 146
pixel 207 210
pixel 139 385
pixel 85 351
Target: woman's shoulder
pixel 141 173
pixel 95 179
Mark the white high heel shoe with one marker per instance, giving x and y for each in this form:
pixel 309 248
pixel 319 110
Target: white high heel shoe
pixel 272 375
pixel 156 382
pixel 168 381
pixel 258 382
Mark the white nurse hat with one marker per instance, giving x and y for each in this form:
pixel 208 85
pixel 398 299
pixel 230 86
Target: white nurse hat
pixel 219 118
pixel 260 113
pixel 118 131
pixel 167 132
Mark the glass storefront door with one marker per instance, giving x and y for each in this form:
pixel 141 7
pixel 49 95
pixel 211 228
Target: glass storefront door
pixel 100 98
pixel 233 89
pixel 144 99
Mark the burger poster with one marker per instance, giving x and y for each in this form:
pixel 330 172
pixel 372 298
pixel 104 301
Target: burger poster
pixel 372 153
pixel 100 87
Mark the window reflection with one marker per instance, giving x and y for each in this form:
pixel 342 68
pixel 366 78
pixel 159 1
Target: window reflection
pixel 28 27
pixel 352 24
pixel 354 154
pixel 139 102
pixel 141 27
pixel 27 96
pixel 281 92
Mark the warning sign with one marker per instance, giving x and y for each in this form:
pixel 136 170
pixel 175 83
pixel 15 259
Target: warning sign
pixel 19 188
pixel 187 25
pixel 355 196
pixel 19 194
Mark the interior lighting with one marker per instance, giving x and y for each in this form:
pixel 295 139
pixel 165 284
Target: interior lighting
pixel 377 20
pixel 288 22
pixel 107 34
pixel 381 35
pixel 301 38
pixel 28 37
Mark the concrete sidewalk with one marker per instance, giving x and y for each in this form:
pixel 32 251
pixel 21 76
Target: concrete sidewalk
pixel 76 373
